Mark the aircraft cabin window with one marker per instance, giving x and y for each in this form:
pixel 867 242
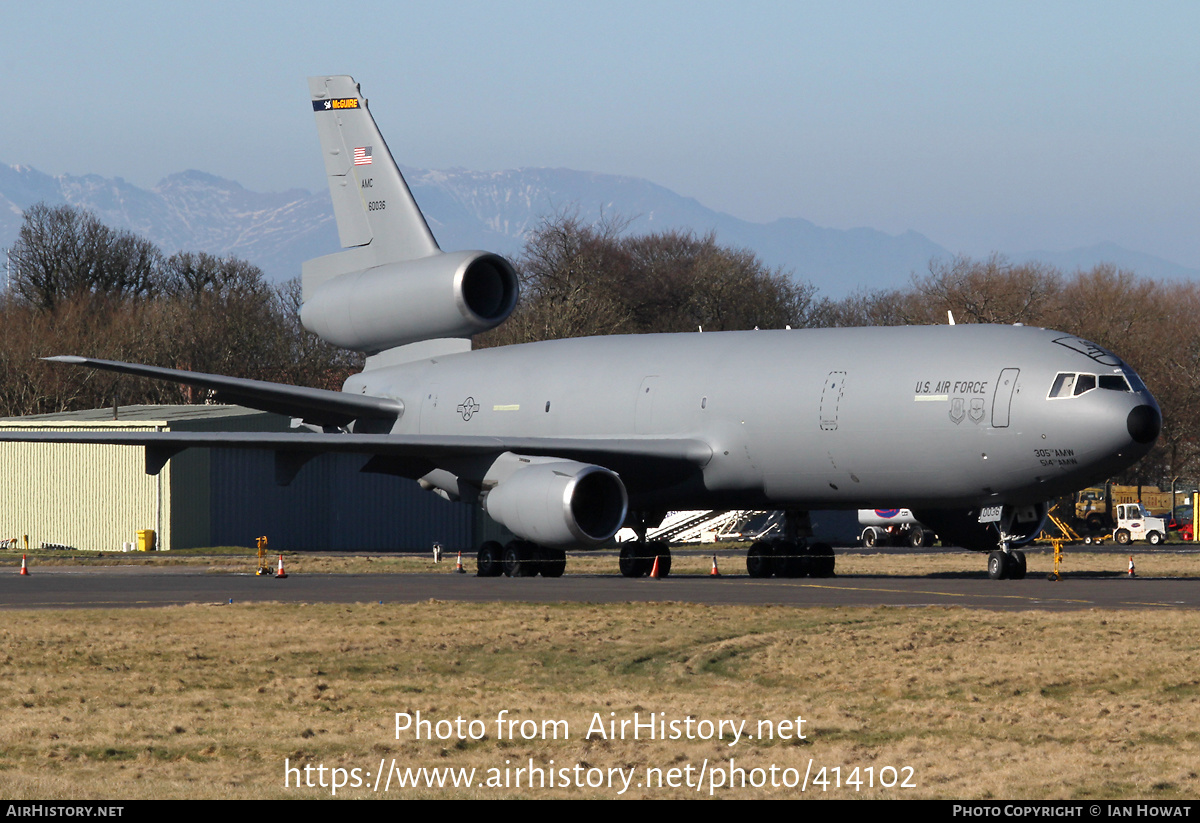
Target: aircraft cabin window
pixel 1085 383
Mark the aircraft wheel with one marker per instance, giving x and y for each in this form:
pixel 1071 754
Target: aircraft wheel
pixel 1155 538
pixel 554 562
pixel 630 561
pixel 637 559
pixel 1123 537
pixel 821 560
pixel 490 560
pixel 802 562
pixel 758 560
pixel 784 559
pixel 1017 567
pixel 998 565
pixel 518 559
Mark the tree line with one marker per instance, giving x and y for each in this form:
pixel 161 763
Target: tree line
pixel 580 279
pixel 79 287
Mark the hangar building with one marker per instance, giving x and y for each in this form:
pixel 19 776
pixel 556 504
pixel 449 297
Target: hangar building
pixel 98 497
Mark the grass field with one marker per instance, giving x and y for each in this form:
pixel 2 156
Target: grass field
pixel 210 701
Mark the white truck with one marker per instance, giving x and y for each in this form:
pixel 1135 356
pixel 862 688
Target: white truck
pixel 892 527
pixel 1135 523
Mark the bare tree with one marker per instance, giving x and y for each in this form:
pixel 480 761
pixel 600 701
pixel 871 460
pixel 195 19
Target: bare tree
pixel 64 252
pixel 988 291
pixel 196 275
pixel 82 288
pixel 580 279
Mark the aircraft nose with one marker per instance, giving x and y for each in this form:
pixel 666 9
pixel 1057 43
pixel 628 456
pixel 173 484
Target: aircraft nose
pixel 1144 424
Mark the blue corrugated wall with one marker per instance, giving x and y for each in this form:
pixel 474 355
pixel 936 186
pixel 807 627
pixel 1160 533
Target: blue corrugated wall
pixel 330 505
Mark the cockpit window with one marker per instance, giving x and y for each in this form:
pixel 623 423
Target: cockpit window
pixel 1134 380
pixel 1064 384
pixel 1070 384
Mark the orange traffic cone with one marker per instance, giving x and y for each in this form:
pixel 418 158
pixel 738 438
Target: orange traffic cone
pixel 24 570
pixel 654 569
pixel 458 566
pixel 714 572
pixel 1131 574
pixel 280 572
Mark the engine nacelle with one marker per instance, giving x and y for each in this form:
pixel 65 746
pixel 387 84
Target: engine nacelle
pixel 445 295
pixel 1020 524
pixel 559 503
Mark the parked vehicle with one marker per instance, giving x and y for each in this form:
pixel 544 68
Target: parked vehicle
pixel 1135 523
pixel 892 527
pixel 1094 505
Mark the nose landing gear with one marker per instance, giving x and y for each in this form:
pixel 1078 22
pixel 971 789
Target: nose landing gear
pixel 1006 564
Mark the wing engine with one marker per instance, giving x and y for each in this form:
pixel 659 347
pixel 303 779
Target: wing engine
pixel 556 503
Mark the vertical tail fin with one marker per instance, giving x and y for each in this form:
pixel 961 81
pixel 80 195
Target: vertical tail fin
pixel 392 293
pixel 372 203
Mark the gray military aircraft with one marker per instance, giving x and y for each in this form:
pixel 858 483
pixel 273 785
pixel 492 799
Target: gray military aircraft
pixel 563 442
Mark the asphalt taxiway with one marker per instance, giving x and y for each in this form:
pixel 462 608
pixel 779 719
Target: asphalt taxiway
pixel 140 586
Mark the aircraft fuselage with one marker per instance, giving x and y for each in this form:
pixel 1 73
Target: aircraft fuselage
pixel 835 418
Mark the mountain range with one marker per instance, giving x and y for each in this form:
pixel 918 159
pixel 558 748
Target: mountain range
pixel 277 231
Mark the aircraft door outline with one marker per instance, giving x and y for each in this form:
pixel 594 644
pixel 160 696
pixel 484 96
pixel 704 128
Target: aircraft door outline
pixel 1006 385
pixel 831 399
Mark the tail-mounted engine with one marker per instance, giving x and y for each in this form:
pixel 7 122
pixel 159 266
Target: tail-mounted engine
pixel 445 295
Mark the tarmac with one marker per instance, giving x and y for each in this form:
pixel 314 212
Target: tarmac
pixel 54 587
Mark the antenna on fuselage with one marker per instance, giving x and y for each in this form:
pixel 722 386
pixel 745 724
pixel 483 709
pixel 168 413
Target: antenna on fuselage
pixel 950 314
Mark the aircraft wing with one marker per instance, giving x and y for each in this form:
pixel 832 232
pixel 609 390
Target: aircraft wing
pixel 639 459
pixel 642 460
pixel 319 406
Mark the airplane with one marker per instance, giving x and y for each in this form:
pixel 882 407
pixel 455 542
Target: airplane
pixel 972 427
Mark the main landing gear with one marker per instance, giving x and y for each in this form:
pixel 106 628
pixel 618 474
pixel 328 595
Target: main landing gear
pixel 637 557
pixel 783 558
pixel 792 556
pixel 520 558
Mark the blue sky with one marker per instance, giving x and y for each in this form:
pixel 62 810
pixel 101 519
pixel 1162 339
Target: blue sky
pixel 986 126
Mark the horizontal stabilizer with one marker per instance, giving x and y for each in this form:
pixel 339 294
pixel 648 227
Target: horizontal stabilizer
pixel 317 406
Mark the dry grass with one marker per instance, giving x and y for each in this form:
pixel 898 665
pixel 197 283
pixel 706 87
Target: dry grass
pixel 208 701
